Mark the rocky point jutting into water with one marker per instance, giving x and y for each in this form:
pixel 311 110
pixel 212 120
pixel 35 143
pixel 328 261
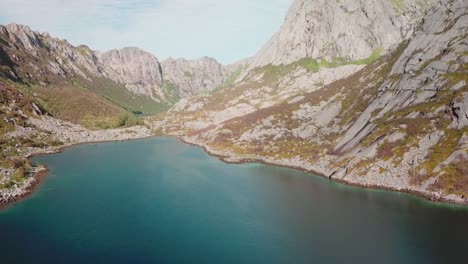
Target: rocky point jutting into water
pixel 371 93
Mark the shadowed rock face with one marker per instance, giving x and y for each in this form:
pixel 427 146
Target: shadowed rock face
pixel 346 29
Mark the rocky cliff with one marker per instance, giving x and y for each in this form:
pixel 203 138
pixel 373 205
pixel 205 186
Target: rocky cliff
pixel 396 121
pixel 138 70
pixel 168 81
pixel 341 30
pixel 191 77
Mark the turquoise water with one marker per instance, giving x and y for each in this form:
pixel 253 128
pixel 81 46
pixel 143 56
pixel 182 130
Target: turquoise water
pixel 161 201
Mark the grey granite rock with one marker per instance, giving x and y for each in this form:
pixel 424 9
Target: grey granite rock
pixel 138 70
pixel 347 29
pixel 193 77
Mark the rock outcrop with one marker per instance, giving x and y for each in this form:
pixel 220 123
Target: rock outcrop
pixel 436 50
pixel 345 29
pixel 191 77
pixel 138 70
pixel 39 57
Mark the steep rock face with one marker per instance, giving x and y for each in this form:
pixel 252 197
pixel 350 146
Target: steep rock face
pixel 436 51
pixel 345 29
pixel 138 70
pixel 191 77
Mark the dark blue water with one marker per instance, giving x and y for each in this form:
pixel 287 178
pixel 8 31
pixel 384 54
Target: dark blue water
pixel 161 201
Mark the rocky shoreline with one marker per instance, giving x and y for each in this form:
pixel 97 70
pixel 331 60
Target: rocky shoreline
pixel 17 193
pixel 84 136
pixel 232 158
pixel 66 132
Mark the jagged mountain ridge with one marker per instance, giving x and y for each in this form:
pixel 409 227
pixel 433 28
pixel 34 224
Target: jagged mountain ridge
pixel 40 58
pixel 399 122
pixel 25 49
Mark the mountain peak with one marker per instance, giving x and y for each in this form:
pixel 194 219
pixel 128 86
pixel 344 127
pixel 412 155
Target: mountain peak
pixel 345 29
pixel 18 27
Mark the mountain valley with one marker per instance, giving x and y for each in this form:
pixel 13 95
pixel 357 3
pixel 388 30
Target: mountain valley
pixel 369 93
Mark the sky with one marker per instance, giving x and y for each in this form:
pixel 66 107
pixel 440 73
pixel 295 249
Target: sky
pixel 226 30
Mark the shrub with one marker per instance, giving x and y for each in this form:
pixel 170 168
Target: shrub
pixel 16 163
pixel 128 119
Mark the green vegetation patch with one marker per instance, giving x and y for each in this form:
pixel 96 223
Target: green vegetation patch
pixel 455 179
pixel 372 58
pixel 119 95
pixel 79 106
pixel 127 120
pixel 233 77
pixel 171 91
pixel 438 154
pixel 398 5
pixel 314 65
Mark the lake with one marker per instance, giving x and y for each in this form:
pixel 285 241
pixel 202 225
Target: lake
pixel 159 200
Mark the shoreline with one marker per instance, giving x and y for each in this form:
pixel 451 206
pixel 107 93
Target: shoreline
pixel 430 197
pixel 38 177
pixel 40 174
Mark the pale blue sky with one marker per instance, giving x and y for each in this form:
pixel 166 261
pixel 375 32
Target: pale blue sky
pixel 224 29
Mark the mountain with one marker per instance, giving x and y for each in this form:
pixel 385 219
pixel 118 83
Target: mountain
pixel 168 81
pixel 31 56
pixel 191 77
pixel 53 93
pixel 138 70
pixel 130 78
pixel 341 30
pixel 370 93
pixel 396 119
pixel 57 72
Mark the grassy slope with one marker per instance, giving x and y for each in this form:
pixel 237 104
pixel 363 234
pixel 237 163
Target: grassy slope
pixel 101 99
pixel 15 107
pixel 76 104
pixel 119 95
pixel 79 106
